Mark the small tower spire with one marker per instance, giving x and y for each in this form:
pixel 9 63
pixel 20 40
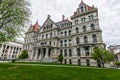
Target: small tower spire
pixel 48 16
pixel 63 17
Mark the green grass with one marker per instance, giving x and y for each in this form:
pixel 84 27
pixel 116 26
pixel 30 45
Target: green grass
pixel 33 72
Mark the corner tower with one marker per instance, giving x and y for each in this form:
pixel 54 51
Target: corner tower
pixel 86 33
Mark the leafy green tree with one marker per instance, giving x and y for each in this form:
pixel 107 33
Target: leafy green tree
pixel 117 63
pixel 60 58
pixel 24 54
pixel 102 55
pixel 14 16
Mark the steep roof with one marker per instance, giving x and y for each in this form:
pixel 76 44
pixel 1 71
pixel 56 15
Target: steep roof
pixel 36 27
pixel 89 7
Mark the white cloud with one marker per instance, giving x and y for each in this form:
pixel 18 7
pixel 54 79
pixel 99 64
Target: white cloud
pixel 109 14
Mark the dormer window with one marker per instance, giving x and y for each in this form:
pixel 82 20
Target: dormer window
pixel 85 8
pixel 82 9
pixel 51 26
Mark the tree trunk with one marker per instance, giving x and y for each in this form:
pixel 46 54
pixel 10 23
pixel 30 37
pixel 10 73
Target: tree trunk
pixel 103 65
pixel 60 62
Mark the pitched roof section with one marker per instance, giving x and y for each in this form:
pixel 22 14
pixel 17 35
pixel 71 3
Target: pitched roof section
pixel 89 7
pixel 36 27
pixel 66 20
pixel 85 8
pixel 65 23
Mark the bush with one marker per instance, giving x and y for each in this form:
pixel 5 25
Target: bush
pixel 117 64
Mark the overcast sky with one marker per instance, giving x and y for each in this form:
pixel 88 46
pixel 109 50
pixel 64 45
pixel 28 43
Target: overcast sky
pixel 109 14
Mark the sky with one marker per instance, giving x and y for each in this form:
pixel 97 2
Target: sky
pixel 109 14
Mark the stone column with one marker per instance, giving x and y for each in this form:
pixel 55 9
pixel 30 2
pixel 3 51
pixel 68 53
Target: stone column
pixel 19 52
pixel 12 51
pixel 8 52
pixel 31 56
pixel 39 58
pixel 35 54
pixel 46 55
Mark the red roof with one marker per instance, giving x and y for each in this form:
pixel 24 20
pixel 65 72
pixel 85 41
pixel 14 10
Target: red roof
pixel 82 3
pixel 89 7
pixel 36 27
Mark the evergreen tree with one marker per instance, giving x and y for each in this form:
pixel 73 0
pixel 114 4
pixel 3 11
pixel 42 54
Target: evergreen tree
pixel 60 58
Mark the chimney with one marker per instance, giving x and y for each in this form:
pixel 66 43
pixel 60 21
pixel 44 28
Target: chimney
pixel 48 16
pixel 63 17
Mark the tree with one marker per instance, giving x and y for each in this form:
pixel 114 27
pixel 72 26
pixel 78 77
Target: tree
pixel 117 63
pixel 60 58
pixel 102 55
pixel 24 54
pixel 14 15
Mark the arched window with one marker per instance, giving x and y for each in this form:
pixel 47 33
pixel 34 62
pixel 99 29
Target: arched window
pixel 88 62
pixel 78 52
pixel 50 34
pixel 70 52
pixel 61 43
pixel 79 62
pixel 85 39
pixel 61 52
pixel 65 33
pixel 65 52
pixel 85 8
pixel 84 28
pixel 89 18
pixel 65 42
pixel 69 32
pixel 92 27
pixel 51 26
pixel 94 37
pixel 77 40
pixel 77 29
pixel 92 17
pixel 82 9
pixel 87 51
pixel 70 61
pixel 69 41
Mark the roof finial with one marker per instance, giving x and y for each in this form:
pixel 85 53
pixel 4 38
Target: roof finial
pixel 48 16
pixel 63 17
pixel 37 20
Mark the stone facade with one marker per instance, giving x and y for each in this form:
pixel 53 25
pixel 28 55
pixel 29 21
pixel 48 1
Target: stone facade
pixel 74 38
pixel 115 49
pixel 10 50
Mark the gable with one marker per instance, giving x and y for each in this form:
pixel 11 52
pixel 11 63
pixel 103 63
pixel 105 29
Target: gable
pixel 48 25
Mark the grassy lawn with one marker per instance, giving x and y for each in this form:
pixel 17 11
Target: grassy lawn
pixel 32 72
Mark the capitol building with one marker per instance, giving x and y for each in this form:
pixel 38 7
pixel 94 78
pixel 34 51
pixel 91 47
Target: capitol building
pixel 74 38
